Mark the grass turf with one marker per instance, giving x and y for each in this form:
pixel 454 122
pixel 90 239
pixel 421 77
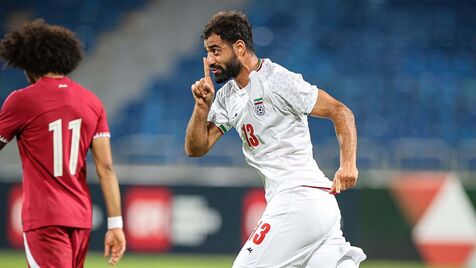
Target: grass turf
pixel 132 260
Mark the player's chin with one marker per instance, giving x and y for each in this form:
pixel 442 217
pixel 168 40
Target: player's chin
pixel 219 79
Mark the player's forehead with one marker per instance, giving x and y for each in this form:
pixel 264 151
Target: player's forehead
pixel 212 41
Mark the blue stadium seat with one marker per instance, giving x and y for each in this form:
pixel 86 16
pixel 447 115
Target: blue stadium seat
pixel 406 69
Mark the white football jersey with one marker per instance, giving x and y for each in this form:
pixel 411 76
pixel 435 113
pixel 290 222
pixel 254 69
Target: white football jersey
pixel 270 115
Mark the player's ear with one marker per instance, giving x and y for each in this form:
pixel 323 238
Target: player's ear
pixel 239 47
pixel 31 77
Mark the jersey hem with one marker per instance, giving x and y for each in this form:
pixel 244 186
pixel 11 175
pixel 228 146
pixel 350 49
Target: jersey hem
pixel 270 193
pixel 39 226
pixel 317 187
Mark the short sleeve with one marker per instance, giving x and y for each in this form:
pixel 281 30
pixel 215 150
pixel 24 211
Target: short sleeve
pixel 11 117
pixel 102 130
pixel 298 95
pixel 218 114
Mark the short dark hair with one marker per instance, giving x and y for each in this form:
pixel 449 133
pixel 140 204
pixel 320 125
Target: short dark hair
pixel 40 48
pixel 231 26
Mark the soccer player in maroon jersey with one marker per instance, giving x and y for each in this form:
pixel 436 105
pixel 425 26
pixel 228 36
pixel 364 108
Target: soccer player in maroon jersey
pixel 56 121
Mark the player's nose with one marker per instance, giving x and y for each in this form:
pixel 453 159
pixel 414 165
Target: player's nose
pixel 211 59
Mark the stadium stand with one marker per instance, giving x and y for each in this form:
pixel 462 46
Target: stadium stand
pixel 407 72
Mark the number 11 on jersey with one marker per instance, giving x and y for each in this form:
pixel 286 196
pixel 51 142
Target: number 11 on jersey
pixel 56 128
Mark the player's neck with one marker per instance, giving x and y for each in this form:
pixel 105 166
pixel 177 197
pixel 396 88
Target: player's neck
pixel 49 75
pixel 53 75
pixel 250 63
pixel 34 78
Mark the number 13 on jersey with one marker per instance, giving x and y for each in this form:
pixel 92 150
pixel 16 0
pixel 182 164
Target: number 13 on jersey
pixel 249 134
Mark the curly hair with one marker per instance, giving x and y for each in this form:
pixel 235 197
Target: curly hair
pixel 40 48
pixel 231 26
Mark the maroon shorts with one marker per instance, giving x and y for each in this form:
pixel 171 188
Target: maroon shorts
pixel 56 246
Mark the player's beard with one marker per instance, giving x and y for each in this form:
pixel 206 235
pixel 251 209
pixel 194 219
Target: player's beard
pixel 232 69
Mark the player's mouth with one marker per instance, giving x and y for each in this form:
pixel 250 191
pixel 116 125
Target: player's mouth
pixel 216 71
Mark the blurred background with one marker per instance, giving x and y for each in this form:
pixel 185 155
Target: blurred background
pixel 407 69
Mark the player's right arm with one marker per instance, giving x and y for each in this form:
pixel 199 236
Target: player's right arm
pixel 346 132
pixel 201 135
pixel 114 241
pixel 12 117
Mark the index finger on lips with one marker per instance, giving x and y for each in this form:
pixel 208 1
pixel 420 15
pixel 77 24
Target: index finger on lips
pixel 206 68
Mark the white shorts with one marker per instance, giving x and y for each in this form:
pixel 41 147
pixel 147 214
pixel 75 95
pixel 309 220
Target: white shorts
pixel 300 227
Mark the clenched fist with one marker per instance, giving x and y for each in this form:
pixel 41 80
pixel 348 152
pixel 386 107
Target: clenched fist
pixel 344 179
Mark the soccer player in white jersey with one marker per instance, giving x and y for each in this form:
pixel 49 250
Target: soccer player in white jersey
pixel 268 106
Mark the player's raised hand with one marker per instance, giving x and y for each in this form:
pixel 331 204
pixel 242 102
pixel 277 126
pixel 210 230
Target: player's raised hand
pixel 344 179
pixel 114 245
pixel 203 90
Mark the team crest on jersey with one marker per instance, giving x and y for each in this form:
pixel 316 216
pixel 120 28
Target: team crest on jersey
pixel 259 106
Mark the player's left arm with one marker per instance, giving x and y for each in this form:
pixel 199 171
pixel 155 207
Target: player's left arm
pixel 114 241
pixel 344 123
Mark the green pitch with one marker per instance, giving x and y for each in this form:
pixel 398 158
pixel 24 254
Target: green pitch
pixel 95 260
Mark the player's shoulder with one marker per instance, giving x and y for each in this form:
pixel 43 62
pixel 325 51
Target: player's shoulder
pixel 84 91
pixel 277 76
pixel 269 67
pixel 13 97
pixel 275 73
pixel 19 95
pixel 24 91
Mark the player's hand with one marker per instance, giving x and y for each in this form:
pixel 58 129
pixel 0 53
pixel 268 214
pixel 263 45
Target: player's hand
pixel 344 179
pixel 114 245
pixel 203 90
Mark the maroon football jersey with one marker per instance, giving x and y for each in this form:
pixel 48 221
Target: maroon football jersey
pixel 55 121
